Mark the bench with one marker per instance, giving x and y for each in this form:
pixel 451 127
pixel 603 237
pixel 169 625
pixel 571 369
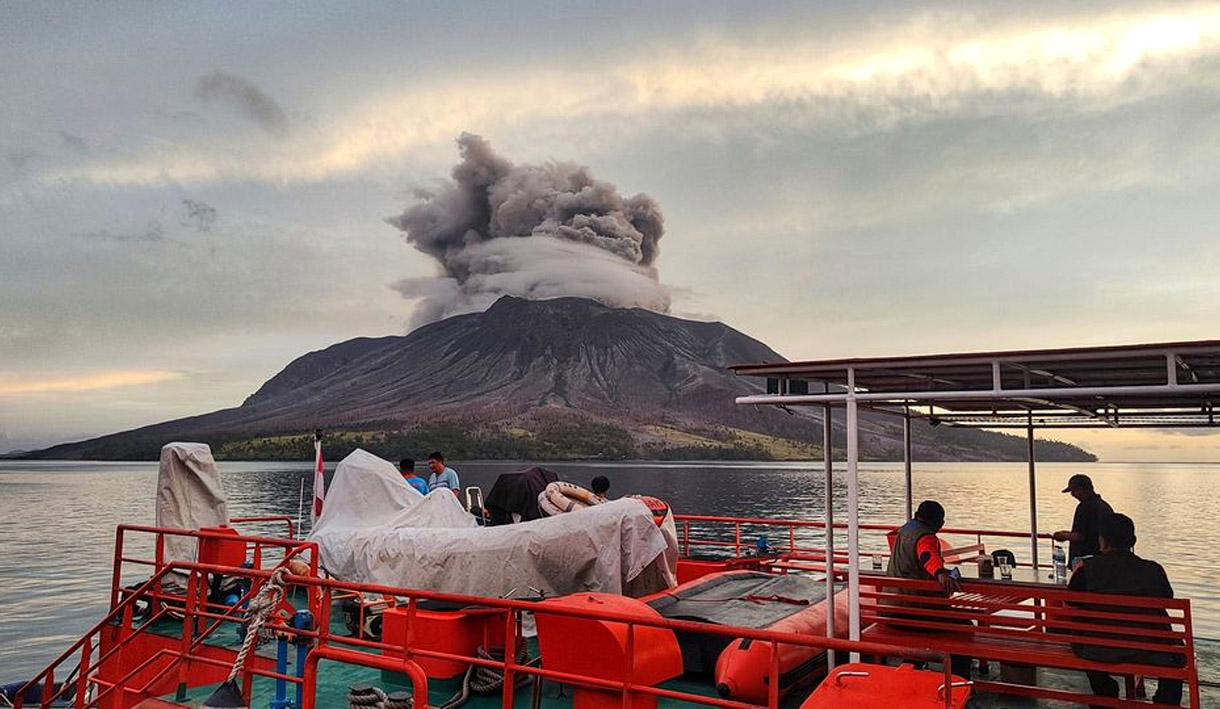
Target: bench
pixel 1033 625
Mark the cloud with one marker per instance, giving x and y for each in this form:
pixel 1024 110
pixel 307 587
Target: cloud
pixel 533 231
pixel 75 142
pixel 154 233
pixel 199 214
pixel 13 384
pixel 243 96
pixel 922 69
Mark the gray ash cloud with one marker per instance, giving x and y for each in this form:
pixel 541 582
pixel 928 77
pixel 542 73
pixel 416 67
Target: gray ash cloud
pixel 533 231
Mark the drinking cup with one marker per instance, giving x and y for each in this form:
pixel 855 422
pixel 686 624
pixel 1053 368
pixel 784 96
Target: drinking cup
pixel 1005 570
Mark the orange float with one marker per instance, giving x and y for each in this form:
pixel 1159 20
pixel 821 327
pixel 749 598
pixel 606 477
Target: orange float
pixel 860 686
pixel 743 669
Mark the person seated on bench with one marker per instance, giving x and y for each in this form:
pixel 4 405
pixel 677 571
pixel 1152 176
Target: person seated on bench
pixel 917 555
pixel 1118 570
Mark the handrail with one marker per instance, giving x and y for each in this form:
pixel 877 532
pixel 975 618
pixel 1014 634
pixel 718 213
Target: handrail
pixel 874 526
pixel 267 518
pixel 122 607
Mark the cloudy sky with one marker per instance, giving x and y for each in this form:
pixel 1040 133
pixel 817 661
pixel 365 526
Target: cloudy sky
pixel 193 194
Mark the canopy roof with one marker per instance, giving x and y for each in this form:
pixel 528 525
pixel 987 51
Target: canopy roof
pixel 1172 384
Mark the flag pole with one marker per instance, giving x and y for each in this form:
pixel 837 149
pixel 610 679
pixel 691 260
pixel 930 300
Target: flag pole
pixel 301 505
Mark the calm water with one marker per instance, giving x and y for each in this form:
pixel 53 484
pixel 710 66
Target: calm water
pixel 58 519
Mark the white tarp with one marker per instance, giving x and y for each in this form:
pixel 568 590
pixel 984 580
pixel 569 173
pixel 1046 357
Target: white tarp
pixel 374 528
pixel 189 495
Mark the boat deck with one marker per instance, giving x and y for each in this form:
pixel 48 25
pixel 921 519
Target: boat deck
pixel 335 679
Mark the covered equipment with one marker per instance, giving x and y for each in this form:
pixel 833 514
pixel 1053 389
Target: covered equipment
pixel 375 530
pixel 514 496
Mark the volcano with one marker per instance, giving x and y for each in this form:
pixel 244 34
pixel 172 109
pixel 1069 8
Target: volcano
pixel 561 378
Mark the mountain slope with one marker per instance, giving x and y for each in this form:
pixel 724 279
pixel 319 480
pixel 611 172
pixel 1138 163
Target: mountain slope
pixel 521 368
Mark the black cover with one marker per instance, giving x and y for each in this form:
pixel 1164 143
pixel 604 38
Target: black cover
pixel 748 599
pixel 517 492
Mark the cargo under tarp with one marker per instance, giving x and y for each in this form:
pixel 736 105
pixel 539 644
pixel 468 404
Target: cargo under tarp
pixel 189 495
pixel 375 529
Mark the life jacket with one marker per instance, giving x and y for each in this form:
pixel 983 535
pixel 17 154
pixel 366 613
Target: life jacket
pixel 904 559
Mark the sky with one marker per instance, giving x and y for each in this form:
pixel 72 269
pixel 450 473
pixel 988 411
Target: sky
pixel 194 194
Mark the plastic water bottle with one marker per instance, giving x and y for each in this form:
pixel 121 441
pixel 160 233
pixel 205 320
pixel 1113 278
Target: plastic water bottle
pixel 1061 567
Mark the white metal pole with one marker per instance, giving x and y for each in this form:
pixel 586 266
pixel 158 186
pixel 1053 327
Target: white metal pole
pixel 906 460
pixel 1033 497
pixel 853 512
pixel 828 512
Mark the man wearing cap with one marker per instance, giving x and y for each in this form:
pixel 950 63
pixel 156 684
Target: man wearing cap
pixel 1083 540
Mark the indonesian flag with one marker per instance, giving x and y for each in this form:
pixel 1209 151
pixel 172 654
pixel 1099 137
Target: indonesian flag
pixel 319 483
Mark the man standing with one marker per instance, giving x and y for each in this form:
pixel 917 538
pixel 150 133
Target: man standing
pixel 916 555
pixel 1083 538
pixel 407 467
pixel 1116 569
pixel 442 476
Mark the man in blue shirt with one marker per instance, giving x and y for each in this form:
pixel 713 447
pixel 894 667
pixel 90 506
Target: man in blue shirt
pixel 407 468
pixel 442 476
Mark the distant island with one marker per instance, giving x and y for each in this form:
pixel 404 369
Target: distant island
pixel 562 379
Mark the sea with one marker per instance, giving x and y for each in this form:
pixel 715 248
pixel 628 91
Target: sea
pixel 58 519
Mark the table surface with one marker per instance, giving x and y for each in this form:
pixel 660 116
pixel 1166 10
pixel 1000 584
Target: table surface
pixel 1021 575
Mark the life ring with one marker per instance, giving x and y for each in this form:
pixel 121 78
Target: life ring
pixel 560 497
pixel 658 507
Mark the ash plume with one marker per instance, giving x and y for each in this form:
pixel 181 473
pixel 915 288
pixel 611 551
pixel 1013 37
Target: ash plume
pixel 532 231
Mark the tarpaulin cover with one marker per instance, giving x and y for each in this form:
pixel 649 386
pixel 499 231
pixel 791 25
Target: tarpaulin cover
pixel 745 599
pixel 375 529
pixel 189 495
pixel 517 493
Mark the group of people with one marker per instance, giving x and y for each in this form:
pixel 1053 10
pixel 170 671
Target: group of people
pixel 440 476
pixel 1101 546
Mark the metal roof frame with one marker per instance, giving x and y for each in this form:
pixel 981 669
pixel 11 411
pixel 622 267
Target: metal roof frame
pixel 1174 384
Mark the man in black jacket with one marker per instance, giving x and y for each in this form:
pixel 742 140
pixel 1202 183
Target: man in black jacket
pixel 1118 570
pixel 1082 539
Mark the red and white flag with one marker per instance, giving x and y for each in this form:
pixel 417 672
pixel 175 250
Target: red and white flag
pixel 319 482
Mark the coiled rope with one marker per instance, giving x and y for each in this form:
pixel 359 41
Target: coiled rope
pixel 478 679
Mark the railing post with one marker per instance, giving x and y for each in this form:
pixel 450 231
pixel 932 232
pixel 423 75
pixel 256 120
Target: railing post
pixel 737 539
pixel 82 678
pixel 628 670
pixel 773 672
pixel 510 660
pixel 116 577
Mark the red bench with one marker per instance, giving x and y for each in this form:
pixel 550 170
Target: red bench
pixel 1034 625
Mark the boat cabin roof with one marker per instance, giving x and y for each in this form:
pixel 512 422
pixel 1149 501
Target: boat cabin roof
pixel 1167 384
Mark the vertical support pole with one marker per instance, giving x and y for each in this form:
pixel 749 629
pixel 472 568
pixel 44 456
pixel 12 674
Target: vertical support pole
pixel 1033 495
pixel 828 512
pixel 906 461
pixel 853 512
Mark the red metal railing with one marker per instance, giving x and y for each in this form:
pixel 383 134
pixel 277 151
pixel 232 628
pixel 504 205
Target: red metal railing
pixel 292 528
pixel 1044 617
pixel 354 650
pixel 123 602
pixel 726 533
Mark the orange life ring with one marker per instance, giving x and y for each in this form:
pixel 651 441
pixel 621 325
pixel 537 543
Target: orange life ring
pixel 560 497
pixel 658 507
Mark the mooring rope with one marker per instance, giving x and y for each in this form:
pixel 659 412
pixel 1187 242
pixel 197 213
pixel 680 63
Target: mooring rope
pixel 261 608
